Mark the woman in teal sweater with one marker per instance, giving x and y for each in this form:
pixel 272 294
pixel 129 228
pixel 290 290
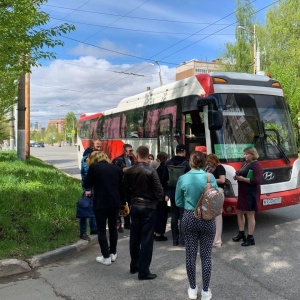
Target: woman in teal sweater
pixel 189 188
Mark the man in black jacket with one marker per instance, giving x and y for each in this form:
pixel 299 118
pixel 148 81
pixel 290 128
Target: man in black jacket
pixel 125 161
pixel 176 212
pixel 142 184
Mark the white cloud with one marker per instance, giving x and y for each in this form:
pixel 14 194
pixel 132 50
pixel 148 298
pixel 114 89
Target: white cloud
pixel 88 84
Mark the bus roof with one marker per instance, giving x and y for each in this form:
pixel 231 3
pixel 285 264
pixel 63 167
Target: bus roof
pixel 177 89
pixel 201 85
pixel 89 116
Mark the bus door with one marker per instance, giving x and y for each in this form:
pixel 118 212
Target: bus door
pixel 194 131
pixel 164 134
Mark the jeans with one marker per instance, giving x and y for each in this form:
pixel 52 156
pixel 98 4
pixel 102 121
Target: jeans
pixel 109 216
pixel 141 238
pixel 83 225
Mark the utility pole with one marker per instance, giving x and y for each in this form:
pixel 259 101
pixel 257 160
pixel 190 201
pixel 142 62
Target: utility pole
pixel 159 71
pixel 21 118
pixel 27 116
pixel 254 49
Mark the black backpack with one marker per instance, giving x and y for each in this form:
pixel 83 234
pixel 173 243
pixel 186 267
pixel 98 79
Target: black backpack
pixel 174 173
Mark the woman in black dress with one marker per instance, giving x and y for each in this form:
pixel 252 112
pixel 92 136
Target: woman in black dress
pixel 249 179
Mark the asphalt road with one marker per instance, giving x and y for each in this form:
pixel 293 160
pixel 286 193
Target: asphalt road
pixel 270 270
pixel 63 158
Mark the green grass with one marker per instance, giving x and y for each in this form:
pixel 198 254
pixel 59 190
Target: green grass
pixel 37 207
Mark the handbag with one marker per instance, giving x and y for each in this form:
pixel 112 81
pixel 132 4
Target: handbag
pixel 85 208
pixel 124 211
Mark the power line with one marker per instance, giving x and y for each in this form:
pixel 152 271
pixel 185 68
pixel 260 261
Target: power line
pixel 138 30
pixel 130 17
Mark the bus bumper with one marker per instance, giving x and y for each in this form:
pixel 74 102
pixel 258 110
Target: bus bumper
pixel 280 199
pixel 267 201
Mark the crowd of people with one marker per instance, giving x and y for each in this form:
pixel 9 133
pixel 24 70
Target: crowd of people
pixel 143 182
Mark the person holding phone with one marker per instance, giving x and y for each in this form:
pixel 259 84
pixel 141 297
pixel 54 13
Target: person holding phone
pixel 249 179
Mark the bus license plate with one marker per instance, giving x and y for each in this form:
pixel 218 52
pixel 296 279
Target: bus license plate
pixel 271 201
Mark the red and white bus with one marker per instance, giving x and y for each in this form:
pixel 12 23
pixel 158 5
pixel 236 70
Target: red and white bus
pixel 224 111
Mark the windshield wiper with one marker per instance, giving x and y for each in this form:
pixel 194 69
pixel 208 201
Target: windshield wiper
pixel 263 136
pixel 284 156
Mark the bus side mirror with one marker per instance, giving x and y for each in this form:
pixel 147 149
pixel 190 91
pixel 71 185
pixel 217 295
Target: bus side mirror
pixel 215 119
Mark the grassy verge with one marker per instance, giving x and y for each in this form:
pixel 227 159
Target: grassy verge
pixel 37 207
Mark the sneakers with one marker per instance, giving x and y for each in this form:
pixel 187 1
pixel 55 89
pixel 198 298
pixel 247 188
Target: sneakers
pixel 103 261
pixel 85 237
pixel 113 257
pixel 193 293
pixel 206 295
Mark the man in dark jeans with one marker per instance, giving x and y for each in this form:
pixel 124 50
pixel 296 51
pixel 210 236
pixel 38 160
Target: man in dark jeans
pixel 125 161
pixel 176 212
pixel 142 184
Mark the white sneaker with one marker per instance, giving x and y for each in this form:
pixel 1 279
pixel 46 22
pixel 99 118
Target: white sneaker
pixel 103 261
pixel 206 295
pixel 113 256
pixel 193 293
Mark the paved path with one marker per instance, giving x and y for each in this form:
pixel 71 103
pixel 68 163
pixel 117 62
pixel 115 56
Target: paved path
pixel 63 158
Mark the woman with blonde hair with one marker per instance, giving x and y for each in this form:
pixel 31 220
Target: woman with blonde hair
pixel 97 156
pixel 249 179
pixel 105 179
pixel 219 172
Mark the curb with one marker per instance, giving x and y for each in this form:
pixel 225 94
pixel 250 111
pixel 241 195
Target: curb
pixel 9 267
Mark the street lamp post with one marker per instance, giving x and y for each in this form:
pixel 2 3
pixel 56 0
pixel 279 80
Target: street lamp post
pixel 159 73
pixel 256 51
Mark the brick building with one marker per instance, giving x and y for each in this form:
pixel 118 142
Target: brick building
pixel 194 67
pixel 59 123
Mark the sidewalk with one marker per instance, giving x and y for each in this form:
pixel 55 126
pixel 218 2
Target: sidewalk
pixel 9 267
pixel 237 273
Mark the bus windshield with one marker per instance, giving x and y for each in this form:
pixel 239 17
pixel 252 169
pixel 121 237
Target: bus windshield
pixel 261 121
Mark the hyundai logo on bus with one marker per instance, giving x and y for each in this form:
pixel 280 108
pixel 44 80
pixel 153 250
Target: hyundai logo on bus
pixel 269 176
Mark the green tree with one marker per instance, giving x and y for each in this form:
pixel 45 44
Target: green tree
pixel 239 55
pixel 282 48
pixel 23 43
pixel 71 125
pixel 4 130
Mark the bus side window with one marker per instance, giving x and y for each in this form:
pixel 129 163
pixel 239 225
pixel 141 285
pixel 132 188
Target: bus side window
pixel 132 127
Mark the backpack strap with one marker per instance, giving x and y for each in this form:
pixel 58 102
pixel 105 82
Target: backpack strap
pixel 208 180
pixel 197 210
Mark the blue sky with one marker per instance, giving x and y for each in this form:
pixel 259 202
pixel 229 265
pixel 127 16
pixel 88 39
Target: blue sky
pixel 112 37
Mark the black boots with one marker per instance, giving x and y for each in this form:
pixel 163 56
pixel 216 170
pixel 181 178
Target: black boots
pixel 240 236
pixel 249 241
